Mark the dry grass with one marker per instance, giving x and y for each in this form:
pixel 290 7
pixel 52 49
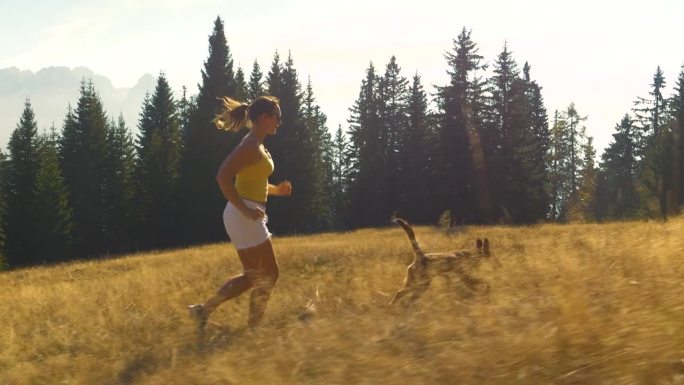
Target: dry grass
pixel 576 304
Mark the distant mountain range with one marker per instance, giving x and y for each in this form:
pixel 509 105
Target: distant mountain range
pixel 52 89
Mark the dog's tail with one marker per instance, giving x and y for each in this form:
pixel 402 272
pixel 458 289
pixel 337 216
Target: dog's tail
pixel 411 236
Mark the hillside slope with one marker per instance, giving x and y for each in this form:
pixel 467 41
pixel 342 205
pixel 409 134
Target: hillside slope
pixel 575 304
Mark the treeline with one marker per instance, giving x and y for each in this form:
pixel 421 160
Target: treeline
pixel 641 170
pixel 481 149
pixel 93 189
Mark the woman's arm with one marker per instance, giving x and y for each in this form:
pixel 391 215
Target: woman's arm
pixel 281 189
pixel 244 154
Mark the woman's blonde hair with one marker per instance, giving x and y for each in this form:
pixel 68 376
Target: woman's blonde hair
pixel 236 115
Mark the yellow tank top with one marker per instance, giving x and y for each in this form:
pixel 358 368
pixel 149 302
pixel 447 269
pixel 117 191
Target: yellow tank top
pixel 252 181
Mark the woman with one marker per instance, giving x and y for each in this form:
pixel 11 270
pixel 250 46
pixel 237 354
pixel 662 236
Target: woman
pixel 244 217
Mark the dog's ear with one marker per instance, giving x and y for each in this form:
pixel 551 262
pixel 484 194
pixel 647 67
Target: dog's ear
pixel 485 247
pixel 479 244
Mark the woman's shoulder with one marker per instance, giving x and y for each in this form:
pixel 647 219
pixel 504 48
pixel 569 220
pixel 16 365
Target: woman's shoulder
pixel 248 149
pixel 249 144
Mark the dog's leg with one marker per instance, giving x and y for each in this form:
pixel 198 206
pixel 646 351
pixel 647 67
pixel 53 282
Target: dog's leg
pixel 449 280
pixel 474 283
pixel 455 288
pixel 419 290
pixel 400 293
pixel 416 295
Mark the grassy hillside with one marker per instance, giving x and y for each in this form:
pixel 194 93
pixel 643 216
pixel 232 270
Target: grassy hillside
pixel 576 304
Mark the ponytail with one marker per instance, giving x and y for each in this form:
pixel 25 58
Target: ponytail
pixel 235 115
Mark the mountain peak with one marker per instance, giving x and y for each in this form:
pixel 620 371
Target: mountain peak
pixel 52 89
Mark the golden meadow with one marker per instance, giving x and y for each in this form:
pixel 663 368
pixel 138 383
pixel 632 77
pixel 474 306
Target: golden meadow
pixel 571 304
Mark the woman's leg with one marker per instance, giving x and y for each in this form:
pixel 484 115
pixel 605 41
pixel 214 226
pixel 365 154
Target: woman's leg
pixel 264 277
pixel 236 285
pixel 260 273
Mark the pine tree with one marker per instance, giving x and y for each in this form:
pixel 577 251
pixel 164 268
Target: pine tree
pixel 576 137
pixel 52 234
pixel 120 188
pixel 187 108
pixel 650 112
pixel 392 110
pixel 339 189
pixel 241 87
pixel 618 171
pixel 583 208
pixel 83 156
pixel 655 180
pixel 274 78
pixel 503 136
pixel 206 147
pixel 517 142
pixel 677 102
pixel 278 145
pixel 255 88
pixel 414 157
pixel 22 172
pixel 3 201
pixel 559 166
pixel 159 150
pixel 318 168
pixel 525 196
pixel 294 151
pixel 568 138
pixel 366 196
pixel 533 151
pixel 461 138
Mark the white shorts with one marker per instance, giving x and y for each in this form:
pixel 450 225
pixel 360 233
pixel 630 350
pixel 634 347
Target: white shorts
pixel 245 232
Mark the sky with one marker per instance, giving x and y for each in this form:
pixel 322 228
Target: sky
pixel 599 54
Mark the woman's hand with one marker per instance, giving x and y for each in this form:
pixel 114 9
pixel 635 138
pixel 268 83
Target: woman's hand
pixel 282 189
pixel 254 214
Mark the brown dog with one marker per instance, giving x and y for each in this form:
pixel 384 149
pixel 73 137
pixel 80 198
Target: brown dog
pixel 419 274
